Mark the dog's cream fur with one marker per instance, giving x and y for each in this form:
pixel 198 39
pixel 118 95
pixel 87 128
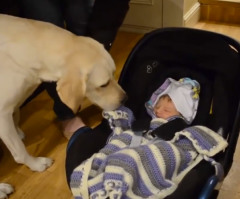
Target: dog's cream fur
pixel 32 52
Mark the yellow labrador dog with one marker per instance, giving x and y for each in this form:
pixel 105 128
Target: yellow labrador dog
pixel 32 52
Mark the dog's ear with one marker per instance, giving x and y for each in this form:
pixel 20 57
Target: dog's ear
pixel 71 89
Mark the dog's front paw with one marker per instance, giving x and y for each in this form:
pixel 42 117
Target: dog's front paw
pixel 122 117
pixel 5 189
pixel 40 164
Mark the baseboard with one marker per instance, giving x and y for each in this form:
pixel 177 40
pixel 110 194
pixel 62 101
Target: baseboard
pixel 192 16
pixel 231 3
pixel 136 29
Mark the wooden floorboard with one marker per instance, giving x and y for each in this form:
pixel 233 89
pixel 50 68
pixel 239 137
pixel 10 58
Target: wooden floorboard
pixel 227 11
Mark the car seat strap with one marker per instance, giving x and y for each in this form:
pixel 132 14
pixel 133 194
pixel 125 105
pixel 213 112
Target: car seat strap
pixel 136 139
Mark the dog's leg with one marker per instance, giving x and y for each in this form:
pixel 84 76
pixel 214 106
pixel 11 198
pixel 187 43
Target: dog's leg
pixel 16 119
pixel 9 136
pixel 5 189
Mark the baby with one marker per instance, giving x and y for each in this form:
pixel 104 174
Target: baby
pixel 175 98
pixel 172 107
pixel 165 108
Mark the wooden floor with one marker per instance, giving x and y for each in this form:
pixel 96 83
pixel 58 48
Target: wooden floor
pixel 44 138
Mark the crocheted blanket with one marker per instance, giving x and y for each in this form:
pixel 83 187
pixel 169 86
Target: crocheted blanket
pixel 151 169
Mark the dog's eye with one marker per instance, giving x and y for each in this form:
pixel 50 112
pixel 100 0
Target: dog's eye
pixel 105 85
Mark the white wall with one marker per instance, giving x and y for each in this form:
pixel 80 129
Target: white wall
pixel 178 13
pixel 146 15
pixel 143 16
pixel 188 5
pixel 191 12
pixel 173 13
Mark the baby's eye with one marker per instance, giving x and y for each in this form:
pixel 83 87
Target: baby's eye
pixel 166 110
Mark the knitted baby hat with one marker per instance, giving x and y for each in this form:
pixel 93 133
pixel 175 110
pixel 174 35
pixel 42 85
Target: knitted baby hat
pixel 184 93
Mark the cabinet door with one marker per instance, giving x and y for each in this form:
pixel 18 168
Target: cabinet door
pixel 143 16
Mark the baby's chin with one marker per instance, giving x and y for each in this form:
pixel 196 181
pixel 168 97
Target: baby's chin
pixel 162 115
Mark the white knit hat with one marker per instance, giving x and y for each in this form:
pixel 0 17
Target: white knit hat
pixel 184 94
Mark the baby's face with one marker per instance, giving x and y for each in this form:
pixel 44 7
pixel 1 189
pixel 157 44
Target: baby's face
pixel 165 108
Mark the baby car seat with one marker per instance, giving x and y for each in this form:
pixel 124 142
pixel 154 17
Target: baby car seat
pixel 210 58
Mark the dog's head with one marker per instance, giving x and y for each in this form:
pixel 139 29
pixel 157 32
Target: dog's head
pixel 90 74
